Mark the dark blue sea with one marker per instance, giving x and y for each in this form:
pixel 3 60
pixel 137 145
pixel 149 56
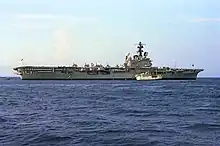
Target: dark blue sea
pixel 90 113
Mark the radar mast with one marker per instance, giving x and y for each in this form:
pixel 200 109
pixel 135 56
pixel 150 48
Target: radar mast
pixel 140 47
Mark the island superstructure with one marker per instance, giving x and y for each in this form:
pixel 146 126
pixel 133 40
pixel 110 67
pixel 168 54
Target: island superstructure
pixel 133 65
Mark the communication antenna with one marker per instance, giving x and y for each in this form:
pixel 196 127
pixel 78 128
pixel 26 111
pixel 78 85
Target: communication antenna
pixel 174 63
pixel 140 47
pixel 22 62
pixel 140 44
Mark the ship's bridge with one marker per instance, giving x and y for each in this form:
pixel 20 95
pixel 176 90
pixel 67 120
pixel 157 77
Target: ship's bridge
pixel 139 60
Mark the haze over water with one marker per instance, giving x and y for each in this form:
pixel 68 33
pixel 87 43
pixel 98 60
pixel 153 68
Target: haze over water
pixel 56 32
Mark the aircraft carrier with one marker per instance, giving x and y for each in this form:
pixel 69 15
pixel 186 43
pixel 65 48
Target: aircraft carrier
pixel 133 65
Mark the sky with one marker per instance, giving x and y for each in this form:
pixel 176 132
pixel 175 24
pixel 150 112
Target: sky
pixel 54 32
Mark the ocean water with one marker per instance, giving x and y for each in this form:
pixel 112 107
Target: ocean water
pixel 72 113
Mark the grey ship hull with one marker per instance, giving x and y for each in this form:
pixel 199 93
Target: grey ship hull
pixel 190 74
pixel 180 76
pixel 63 77
pixel 77 76
pixel 54 76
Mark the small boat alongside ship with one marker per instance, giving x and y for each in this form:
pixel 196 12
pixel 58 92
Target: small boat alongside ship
pixel 148 76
